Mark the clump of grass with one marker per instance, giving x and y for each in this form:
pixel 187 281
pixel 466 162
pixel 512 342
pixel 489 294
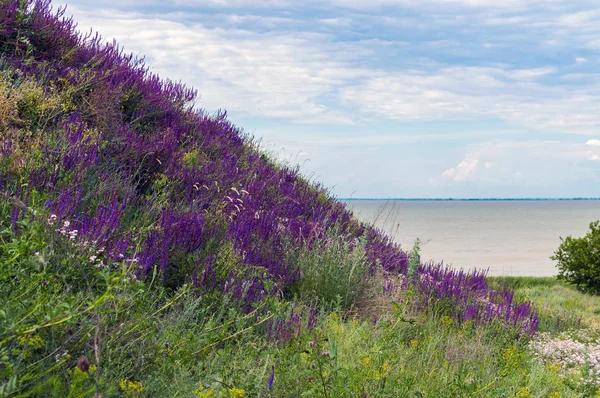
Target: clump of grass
pixel 332 272
pixel 561 306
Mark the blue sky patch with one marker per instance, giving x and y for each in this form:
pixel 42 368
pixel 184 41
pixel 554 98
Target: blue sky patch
pixel 390 98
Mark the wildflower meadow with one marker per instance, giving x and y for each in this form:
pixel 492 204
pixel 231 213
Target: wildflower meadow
pixel 148 248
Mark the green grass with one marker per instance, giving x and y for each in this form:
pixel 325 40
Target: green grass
pixel 430 357
pixel 142 340
pixel 332 273
pixel 560 304
pixel 524 281
pixel 73 324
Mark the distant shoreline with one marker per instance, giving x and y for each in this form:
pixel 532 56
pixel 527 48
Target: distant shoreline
pixel 468 199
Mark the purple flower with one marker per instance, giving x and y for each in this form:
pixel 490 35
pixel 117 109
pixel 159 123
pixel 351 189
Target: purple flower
pixel 128 162
pixel 271 378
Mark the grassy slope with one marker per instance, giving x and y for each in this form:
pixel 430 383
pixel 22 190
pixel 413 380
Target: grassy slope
pixel 556 300
pixel 216 306
pixel 149 342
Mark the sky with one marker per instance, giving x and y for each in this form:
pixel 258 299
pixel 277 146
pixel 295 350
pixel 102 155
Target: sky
pixel 389 98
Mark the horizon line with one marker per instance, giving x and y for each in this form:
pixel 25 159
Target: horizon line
pixel 477 199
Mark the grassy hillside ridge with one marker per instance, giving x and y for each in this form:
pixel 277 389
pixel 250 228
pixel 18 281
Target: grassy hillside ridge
pixel 150 249
pixel 121 162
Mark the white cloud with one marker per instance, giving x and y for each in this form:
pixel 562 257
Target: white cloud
pixel 528 74
pixel 273 74
pixel 353 4
pixel 305 76
pixel 336 21
pixel 524 67
pixel 527 162
pixel 467 93
pixel 463 172
pixel 441 4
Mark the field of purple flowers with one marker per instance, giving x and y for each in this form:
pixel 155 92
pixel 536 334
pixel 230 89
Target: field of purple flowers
pixel 124 162
pixel 110 171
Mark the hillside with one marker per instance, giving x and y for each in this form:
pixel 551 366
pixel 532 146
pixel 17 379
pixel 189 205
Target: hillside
pixel 150 248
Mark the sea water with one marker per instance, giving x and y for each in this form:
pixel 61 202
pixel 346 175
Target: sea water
pixel 507 237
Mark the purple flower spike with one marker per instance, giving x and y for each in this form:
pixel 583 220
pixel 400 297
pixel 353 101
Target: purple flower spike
pixel 271 378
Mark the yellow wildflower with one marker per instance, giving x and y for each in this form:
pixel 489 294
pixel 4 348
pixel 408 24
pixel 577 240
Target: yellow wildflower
pixel 385 367
pixel 304 357
pixel 189 159
pixel 131 388
pixel 237 393
pixel 34 342
pixel 524 392
pixel 446 321
pixel 554 367
pixel 202 392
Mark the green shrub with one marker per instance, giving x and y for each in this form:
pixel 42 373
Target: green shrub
pixel 578 260
pixel 332 272
pixel 8 103
pixel 414 259
pixel 36 105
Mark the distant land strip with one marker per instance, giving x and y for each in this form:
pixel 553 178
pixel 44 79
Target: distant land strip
pixel 464 199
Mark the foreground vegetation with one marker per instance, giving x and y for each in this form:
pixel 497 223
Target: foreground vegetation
pixel 72 329
pixel 150 249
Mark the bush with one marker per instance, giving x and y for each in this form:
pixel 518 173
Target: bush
pixel 579 260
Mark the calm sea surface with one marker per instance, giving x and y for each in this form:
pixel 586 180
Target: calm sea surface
pixel 506 237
